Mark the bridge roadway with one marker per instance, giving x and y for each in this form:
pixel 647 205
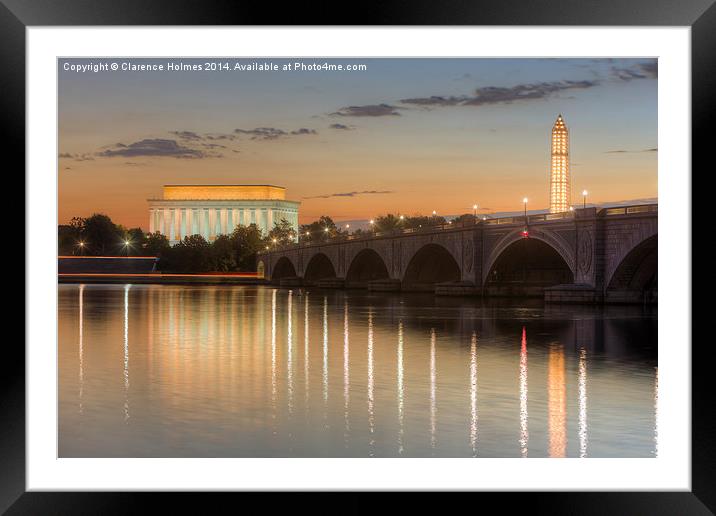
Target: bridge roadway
pixel 589 255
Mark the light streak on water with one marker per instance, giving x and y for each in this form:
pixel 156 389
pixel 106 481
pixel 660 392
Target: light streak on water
pixel 582 387
pixel 524 417
pixel 556 402
pixel 346 372
pixel 81 347
pixel 126 353
pixel 289 352
pixel 401 394
pixel 433 391
pixel 273 358
pixel 371 413
pixel 306 368
pixel 325 354
pixel 473 394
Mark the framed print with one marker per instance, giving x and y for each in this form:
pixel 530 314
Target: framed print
pixel 421 255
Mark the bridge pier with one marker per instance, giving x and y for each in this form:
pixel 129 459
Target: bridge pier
pixel 578 293
pixel 331 283
pixel 293 281
pixel 384 285
pixel 457 288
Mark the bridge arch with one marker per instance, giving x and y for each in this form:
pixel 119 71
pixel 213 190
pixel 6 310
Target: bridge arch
pixel 431 264
pixel 635 275
pixel 318 267
pixel 526 266
pixel 557 243
pixel 283 268
pixel 366 265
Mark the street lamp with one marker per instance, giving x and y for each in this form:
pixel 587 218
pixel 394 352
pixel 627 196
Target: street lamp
pixel 524 201
pixel 434 213
pixel 584 199
pixel 126 246
pixel 474 210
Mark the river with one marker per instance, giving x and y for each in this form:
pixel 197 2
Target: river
pixel 253 371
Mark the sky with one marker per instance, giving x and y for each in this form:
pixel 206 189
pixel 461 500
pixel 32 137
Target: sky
pixel 397 135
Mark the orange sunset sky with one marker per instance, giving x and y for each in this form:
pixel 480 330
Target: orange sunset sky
pixel 404 135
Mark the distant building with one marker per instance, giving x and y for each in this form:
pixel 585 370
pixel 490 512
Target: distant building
pixel 212 210
pixel 559 181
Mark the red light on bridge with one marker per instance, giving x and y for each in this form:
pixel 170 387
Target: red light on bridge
pixel 525 233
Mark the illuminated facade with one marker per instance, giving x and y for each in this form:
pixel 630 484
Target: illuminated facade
pixel 559 180
pixel 212 210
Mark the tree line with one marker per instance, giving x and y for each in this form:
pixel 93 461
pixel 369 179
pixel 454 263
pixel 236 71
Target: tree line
pixel 98 235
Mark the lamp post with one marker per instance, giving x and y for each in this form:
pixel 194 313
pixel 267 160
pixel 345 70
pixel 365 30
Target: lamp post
pixel 82 247
pixel 126 246
pixel 524 201
pixel 474 210
pixel 584 199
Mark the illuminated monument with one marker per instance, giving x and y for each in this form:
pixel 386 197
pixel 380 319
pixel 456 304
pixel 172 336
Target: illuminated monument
pixel 559 181
pixel 212 210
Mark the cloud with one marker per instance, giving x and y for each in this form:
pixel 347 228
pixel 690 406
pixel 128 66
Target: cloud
pixel 502 95
pixel 341 127
pixel 647 70
pixel 435 100
pixel 272 133
pixel 76 157
pixel 368 110
pixel 187 135
pixel 156 147
pixel 651 69
pixel 621 151
pixel 350 194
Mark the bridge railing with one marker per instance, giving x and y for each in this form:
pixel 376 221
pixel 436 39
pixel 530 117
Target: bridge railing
pixel 520 219
pixel 628 210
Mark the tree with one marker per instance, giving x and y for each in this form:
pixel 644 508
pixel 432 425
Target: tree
pixel 223 254
pixel 282 232
pixel 246 242
pixel 102 236
pixel 465 218
pixel 69 237
pixel 192 254
pixel 136 239
pixel 387 223
pixel 423 221
pixel 320 230
pixel 156 244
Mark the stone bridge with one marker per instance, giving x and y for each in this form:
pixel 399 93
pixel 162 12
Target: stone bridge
pixel 588 255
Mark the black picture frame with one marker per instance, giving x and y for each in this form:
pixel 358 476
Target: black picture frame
pixel 700 15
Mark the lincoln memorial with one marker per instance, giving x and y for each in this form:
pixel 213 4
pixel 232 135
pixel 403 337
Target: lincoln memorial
pixel 212 210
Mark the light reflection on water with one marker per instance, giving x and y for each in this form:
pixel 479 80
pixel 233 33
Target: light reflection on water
pixel 214 372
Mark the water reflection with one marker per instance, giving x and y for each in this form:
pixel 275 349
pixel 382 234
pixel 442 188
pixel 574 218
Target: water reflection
pixel 433 391
pixel 557 400
pixel 273 359
pixel 126 353
pixel 346 372
pixel 206 375
pixel 582 383
pixel 371 413
pixel 524 429
pixel 289 352
pixel 81 346
pixel 473 394
pixel 401 407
